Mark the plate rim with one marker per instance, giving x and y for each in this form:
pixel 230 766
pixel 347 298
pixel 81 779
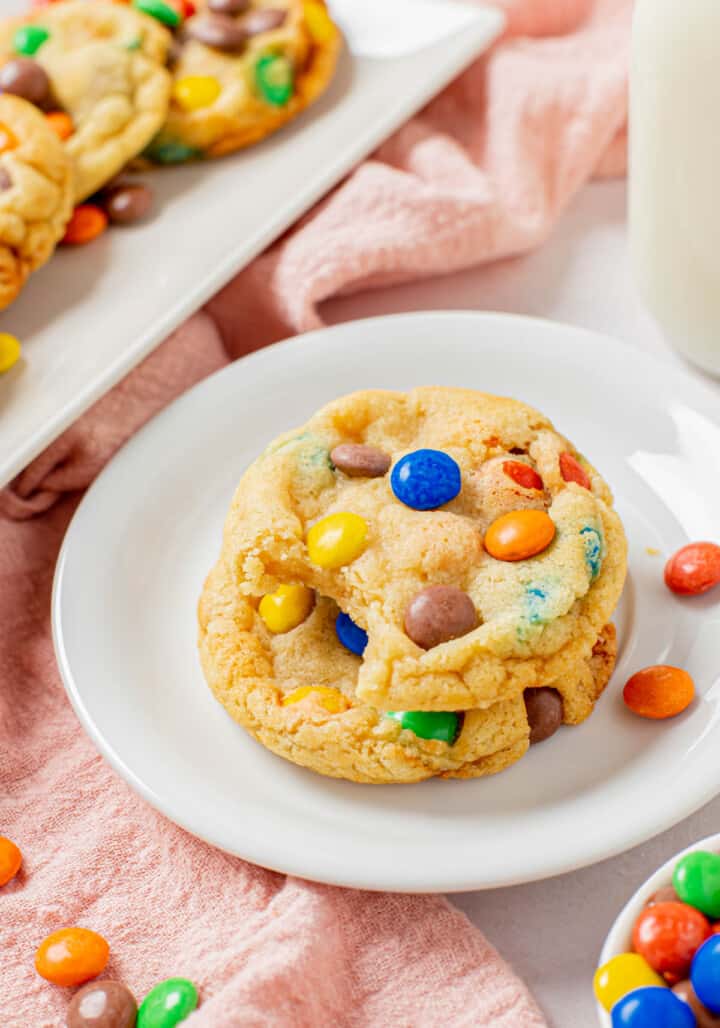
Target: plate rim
pixel 303 865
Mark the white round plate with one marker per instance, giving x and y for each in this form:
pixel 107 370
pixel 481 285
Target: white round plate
pixel 142 540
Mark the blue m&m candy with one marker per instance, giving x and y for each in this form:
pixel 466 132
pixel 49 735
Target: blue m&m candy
pixel 352 636
pixel 652 1007
pixel 426 479
pixel 705 974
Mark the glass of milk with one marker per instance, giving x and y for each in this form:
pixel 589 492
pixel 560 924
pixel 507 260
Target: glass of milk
pixel 675 171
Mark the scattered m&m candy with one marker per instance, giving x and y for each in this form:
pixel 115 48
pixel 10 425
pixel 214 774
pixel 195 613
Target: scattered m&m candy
pixel 658 692
pixel 106 1004
pixel 352 636
pixel 71 956
pixel 286 608
pixel 167 1004
pixel 10 351
pixel 88 221
pixel 10 860
pixel 693 569
pixel 127 202
pixel 519 534
pixel 336 540
pixel 443 725
pixel 426 479
pixel 652 1007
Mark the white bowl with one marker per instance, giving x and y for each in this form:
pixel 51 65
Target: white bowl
pixel 619 938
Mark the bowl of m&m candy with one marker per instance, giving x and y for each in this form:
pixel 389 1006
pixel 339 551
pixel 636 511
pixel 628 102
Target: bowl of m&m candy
pixel 660 965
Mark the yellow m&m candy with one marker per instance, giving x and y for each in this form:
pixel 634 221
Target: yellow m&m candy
pixel 331 699
pixel 318 22
pixel 337 540
pixel 196 91
pixel 621 975
pixel 286 608
pixel 9 351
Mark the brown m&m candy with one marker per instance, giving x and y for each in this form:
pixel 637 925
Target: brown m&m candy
pixel 263 20
pixel 439 613
pixel 544 708
pixel 102 1005
pixel 217 30
pixel 126 203
pixel 665 895
pixel 359 461
pixel 228 6
pixel 703 1017
pixel 25 78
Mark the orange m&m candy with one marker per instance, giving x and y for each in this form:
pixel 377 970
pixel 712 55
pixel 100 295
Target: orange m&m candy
pixel 658 692
pixel 573 471
pixel 8 139
pixel 522 474
pixel 694 569
pixel 87 223
pixel 10 860
pixel 519 534
pixel 71 956
pixel 61 124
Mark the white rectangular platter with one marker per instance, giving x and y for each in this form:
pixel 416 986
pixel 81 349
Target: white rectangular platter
pixel 94 312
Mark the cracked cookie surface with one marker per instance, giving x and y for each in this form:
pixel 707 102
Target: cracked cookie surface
pixel 241 75
pixel 537 619
pixel 252 672
pixel 36 193
pixel 106 68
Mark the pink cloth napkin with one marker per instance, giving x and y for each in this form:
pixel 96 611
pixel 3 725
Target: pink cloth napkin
pixel 483 172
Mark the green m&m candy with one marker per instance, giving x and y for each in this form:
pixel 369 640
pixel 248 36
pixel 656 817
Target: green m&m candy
pixel 171 152
pixel 159 10
pixel 697 881
pixel 429 724
pixel 29 38
pixel 167 1004
pixel 274 78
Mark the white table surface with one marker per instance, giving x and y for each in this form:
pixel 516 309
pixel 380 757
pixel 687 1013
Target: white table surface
pixel 552 931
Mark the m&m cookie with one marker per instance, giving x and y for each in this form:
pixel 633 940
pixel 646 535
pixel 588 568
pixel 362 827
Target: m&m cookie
pixel 36 195
pixel 97 72
pixel 242 69
pixel 414 584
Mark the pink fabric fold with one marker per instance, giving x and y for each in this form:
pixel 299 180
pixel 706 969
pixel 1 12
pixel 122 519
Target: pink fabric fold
pixel 483 172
